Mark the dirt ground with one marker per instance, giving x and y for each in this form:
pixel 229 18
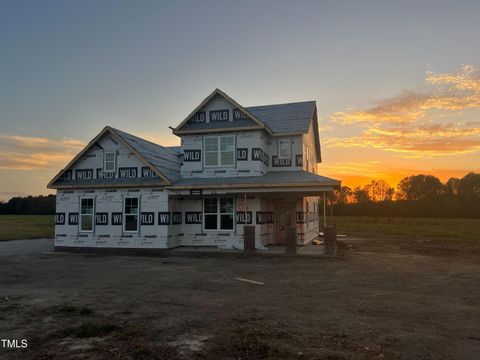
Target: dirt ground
pixel 381 299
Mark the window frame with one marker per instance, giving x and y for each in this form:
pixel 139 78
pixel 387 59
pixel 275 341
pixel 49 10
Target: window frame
pixel 125 215
pixel 105 161
pixel 80 215
pixel 219 214
pixel 219 151
pixel 280 141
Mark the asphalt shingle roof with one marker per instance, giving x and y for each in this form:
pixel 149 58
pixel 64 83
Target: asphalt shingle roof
pixel 165 160
pixel 272 177
pixel 289 117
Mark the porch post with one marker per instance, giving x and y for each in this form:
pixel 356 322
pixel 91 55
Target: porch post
pixel 324 212
pixel 248 231
pixel 245 208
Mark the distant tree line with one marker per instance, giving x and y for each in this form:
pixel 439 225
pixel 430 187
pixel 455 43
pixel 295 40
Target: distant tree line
pixel 30 205
pixel 415 196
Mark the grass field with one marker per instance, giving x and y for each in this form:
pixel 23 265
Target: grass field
pixel 26 227
pixel 419 228
pixel 41 226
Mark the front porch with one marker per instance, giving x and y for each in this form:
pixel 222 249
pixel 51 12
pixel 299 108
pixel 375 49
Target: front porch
pixel 308 250
pixel 276 216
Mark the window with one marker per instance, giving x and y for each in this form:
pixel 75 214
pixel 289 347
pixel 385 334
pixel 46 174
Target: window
pixel 219 150
pixel 218 213
pixel 211 214
pixel 284 149
pixel 211 151
pixel 86 214
pixel 109 162
pixel 130 212
pixel 227 150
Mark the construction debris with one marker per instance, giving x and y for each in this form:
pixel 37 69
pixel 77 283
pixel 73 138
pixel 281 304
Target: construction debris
pixel 250 281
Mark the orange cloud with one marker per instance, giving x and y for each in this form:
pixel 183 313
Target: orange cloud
pixel 29 153
pixel 400 124
pixel 414 141
pixel 458 91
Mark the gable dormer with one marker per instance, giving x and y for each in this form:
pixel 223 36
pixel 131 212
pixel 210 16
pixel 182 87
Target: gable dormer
pixel 219 113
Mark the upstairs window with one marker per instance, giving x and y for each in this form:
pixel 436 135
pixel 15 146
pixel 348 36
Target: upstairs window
pixel 218 213
pixel 219 150
pixel 86 214
pixel 284 149
pixel 130 214
pixel 109 162
pixel 211 151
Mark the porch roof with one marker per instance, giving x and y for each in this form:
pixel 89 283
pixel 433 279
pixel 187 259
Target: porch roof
pixel 296 178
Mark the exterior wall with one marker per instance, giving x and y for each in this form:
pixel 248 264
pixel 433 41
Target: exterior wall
pixel 296 159
pixel 309 157
pixel 251 158
pixel 182 223
pixel 108 202
pixel 307 219
pixel 265 222
pixel 256 154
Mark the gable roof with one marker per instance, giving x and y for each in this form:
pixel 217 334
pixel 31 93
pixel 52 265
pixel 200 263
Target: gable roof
pixel 217 92
pixel 277 119
pixel 164 162
pixel 286 118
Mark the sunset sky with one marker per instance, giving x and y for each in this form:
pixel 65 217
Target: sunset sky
pixel 397 85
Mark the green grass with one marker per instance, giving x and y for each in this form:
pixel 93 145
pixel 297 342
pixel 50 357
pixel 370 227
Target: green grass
pixel 418 228
pixel 42 226
pixel 13 227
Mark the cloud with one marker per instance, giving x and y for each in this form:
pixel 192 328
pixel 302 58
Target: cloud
pixel 404 108
pixel 415 141
pixel 29 153
pixel 416 125
pixel 457 91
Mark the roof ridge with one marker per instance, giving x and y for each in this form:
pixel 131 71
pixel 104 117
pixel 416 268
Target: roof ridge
pixel 289 103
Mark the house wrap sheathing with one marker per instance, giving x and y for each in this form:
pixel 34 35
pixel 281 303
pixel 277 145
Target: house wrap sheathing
pixel 236 166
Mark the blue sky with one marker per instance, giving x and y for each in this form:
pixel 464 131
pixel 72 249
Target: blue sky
pixel 68 68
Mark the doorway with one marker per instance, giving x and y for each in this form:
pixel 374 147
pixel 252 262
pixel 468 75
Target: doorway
pixel 284 220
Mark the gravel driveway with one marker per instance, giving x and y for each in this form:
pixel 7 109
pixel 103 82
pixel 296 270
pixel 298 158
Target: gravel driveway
pixel 25 247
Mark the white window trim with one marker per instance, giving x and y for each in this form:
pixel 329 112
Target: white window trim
pixel 105 161
pixel 80 215
pixel 219 151
pixel 125 215
pixel 218 213
pixel 289 148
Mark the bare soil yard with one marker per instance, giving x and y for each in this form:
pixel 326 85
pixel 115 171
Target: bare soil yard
pixel 382 299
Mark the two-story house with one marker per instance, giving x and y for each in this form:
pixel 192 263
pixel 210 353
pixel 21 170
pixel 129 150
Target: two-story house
pixel 236 166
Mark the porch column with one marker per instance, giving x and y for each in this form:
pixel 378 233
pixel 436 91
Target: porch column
pixel 248 230
pixel 324 211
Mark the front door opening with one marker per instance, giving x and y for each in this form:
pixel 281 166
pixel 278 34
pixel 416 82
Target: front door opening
pixel 284 221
